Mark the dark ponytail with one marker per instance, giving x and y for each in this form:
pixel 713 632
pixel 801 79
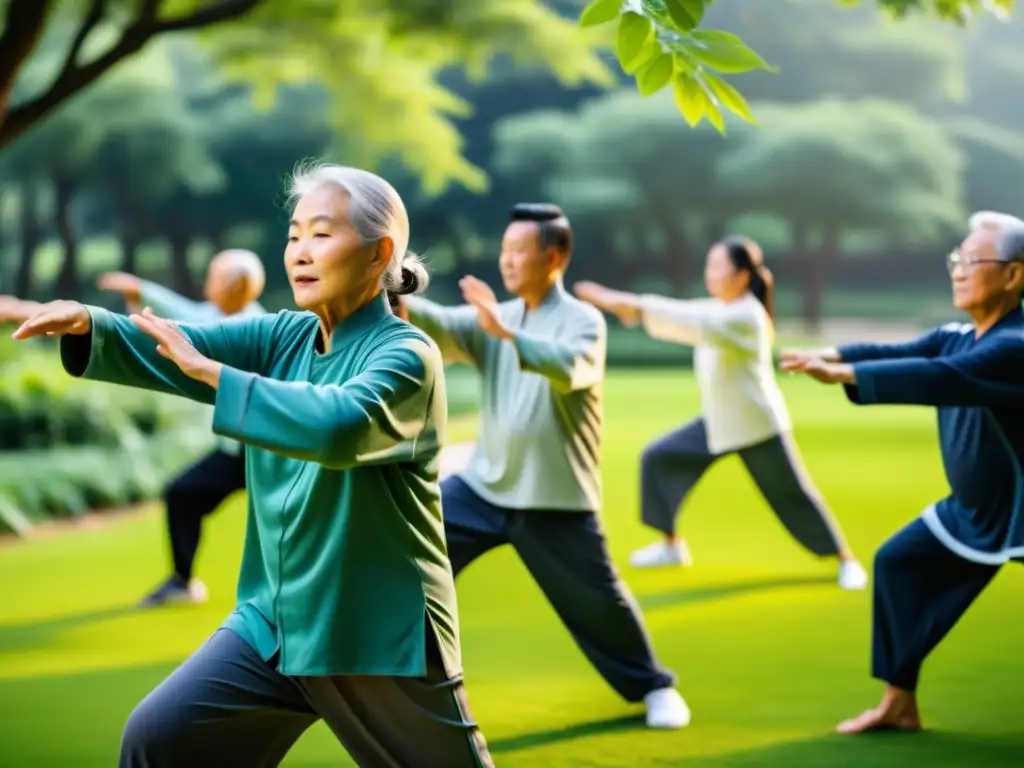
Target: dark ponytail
pixel 746 256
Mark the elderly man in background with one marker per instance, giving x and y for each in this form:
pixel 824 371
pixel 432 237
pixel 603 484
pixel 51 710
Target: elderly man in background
pixel 929 573
pixel 234 282
pixel 533 480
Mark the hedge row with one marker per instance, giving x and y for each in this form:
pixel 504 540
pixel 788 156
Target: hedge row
pixel 41 486
pixel 68 445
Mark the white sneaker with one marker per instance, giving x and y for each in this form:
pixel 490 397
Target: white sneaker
pixel 661 553
pixel 197 591
pixel 852 575
pixel 666 709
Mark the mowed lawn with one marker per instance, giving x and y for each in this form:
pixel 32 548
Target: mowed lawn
pixel 769 652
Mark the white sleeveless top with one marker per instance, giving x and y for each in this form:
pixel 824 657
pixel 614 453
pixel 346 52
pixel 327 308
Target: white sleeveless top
pixel 740 397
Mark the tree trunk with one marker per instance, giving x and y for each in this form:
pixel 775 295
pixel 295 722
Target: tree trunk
pixel 67 285
pixel 23 28
pixel 3 219
pixel 181 276
pixel 677 253
pixel 219 241
pixel 130 241
pixel 30 233
pixel 455 237
pixel 815 274
pixel 714 229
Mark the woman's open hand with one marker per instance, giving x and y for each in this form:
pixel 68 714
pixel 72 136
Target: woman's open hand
pixel 619 303
pixel 54 318
pixel 816 368
pixel 176 347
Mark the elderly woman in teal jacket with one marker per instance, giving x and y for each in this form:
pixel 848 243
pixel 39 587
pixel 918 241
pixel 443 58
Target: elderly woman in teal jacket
pixel 346 605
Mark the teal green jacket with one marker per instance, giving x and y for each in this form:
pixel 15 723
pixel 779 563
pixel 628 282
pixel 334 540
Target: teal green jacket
pixel 345 566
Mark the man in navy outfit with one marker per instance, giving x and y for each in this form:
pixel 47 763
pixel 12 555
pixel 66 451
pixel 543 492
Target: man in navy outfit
pixel 929 573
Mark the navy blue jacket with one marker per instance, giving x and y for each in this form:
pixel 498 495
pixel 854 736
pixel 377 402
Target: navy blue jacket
pixel 977 385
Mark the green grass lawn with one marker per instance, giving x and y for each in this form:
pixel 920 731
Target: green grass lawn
pixel 769 652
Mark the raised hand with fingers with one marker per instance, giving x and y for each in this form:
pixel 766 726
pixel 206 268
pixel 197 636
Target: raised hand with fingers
pixel 15 310
pixel 129 286
pixel 176 347
pixel 792 356
pixel 816 368
pixel 478 294
pixel 55 318
pixel 619 303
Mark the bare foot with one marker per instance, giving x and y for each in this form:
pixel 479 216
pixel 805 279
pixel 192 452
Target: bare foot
pixel 881 718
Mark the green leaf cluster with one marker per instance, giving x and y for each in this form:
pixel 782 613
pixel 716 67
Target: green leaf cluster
pixel 661 43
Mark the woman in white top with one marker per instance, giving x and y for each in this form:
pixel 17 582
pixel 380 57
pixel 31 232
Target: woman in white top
pixel 743 408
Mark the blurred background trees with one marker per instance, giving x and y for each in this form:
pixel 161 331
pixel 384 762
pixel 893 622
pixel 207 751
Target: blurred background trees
pixel 172 129
pixel 876 139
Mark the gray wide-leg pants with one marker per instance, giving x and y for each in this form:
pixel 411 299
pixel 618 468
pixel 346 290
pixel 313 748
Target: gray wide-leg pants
pixel 225 707
pixel 672 465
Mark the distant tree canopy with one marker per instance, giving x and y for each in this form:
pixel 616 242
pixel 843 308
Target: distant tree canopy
pixel 624 166
pixel 164 159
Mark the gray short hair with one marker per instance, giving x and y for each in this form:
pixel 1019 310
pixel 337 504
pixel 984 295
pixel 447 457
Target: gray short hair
pixel 376 210
pixel 244 265
pixel 992 220
pixel 1010 244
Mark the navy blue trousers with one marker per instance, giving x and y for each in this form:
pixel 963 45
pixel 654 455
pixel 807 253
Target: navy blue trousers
pixel 673 464
pixel 566 554
pixel 921 590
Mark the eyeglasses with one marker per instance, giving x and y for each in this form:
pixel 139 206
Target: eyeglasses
pixel 968 260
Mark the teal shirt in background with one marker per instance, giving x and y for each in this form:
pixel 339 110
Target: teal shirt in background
pixel 173 306
pixel 539 440
pixel 345 566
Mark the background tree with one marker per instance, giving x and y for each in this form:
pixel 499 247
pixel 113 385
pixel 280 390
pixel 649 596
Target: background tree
pixel 838 167
pixel 157 147
pixel 383 55
pixel 629 174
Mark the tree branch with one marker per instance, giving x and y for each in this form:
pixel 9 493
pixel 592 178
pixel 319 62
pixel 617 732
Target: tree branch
pixel 23 28
pixel 226 10
pixel 96 11
pixel 75 78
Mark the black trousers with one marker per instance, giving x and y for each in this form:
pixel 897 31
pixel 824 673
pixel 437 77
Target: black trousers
pixel 194 494
pixel 673 464
pixel 225 707
pixel 921 590
pixel 566 554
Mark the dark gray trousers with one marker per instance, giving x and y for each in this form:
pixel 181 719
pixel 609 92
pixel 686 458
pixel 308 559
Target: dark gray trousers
pixel 921 591
pixel 672 465
pixel 566 554
pixel 225 707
